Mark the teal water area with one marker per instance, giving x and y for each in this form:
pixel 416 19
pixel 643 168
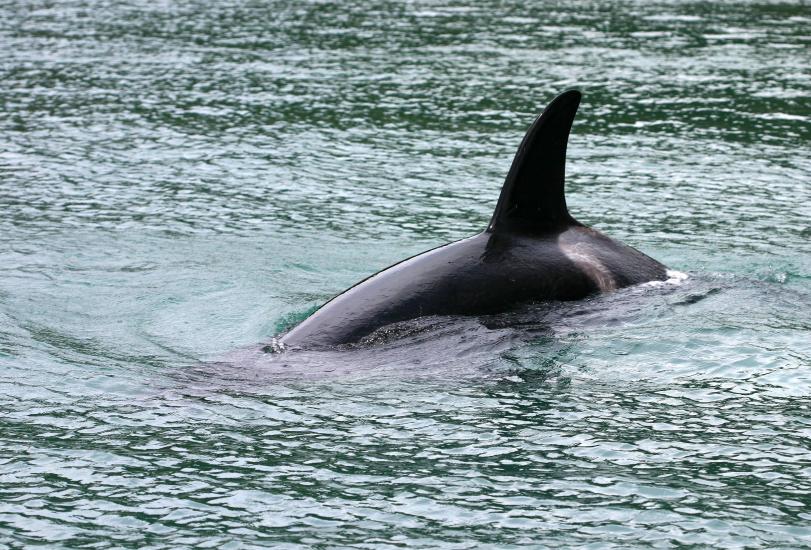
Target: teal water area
pixel 179 181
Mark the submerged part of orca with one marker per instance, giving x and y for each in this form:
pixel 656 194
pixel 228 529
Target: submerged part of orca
pixel 532 251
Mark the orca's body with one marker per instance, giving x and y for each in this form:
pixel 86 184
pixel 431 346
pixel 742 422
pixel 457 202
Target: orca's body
pixel 532 251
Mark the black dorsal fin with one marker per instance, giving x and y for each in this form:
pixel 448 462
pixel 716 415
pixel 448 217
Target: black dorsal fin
pixel 533 198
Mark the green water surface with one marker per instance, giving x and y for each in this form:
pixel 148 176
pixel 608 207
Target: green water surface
pixel 181 180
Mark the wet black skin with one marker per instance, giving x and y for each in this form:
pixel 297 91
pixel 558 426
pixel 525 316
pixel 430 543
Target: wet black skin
pixel 532 251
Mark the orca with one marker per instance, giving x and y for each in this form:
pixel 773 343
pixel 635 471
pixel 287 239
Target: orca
pixel 533 250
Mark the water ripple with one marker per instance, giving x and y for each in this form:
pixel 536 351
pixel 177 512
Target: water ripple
pixel 182 180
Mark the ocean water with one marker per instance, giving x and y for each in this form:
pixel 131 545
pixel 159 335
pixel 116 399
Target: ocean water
pixel 180 181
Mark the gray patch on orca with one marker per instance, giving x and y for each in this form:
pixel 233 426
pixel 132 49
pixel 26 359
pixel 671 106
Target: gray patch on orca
pixel 580 255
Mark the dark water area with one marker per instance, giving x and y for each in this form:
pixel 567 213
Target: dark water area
pixel 181 181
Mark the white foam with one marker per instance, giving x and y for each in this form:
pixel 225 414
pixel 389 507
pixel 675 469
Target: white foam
pixel 673 278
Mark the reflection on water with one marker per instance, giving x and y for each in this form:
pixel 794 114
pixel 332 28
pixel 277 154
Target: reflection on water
pixel 179 182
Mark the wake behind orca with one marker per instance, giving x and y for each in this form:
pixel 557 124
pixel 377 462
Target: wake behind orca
pixel 533 250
